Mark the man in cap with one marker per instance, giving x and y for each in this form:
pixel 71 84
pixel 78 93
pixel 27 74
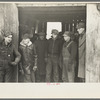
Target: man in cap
pixel 9 57
pixel 82 50
pixel 54 50
pixel 69 53
pixel 28 64
pixel 41 48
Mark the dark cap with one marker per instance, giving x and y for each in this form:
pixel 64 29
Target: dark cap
pixel 80 25
pixel 66 33
pixel 26 36
pixel 41 34
pixel 6 33
pixel 54 31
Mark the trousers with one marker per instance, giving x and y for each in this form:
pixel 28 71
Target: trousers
pixel 6 75
pixel 29 77
pixel 52 68
pixel 68 73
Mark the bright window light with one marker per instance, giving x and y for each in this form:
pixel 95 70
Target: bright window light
pixel 53 25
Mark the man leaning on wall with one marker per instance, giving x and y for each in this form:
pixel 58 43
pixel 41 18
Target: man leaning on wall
pixel 82 51
pixel 9 57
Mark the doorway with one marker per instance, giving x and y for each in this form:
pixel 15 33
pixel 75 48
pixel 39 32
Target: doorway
pixel 45 18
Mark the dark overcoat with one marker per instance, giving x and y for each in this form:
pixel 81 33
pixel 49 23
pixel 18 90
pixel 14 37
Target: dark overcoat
pixel 41 49
pixel 82 53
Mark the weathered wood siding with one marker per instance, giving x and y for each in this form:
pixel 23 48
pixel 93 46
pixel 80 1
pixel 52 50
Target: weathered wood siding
pixel 93 44
pixel 9 22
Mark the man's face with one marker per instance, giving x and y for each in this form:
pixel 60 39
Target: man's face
pixel 26 41
pixel 41 37
pixel 80 30
pixel 54 35
pixel 8 39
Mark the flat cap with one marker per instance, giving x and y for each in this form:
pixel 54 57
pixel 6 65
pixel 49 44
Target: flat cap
pixel 6 33
pixel 41 34
pixel 26 36
pixel 54 31
pixel 67 33
pixel 80 25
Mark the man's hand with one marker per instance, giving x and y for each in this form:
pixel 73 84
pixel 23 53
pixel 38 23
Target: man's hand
pixel 13 63
pixel 35 68
pixel 21 71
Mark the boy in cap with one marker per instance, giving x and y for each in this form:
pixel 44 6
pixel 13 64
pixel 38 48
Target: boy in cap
pixel 28 59
pixel 9 57
pixel 82 50
pixel 41 48
pixel 69 52
pixel 54 50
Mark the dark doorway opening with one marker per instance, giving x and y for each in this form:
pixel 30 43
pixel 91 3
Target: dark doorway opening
pixel 38 17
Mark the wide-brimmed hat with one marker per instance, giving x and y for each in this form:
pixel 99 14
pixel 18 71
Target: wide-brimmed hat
pixel 54 31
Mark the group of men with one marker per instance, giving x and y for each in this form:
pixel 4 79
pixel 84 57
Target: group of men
pixel 44 60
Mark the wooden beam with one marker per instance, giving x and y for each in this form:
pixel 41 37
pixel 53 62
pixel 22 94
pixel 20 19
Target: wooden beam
pixel 47 4
pixel 64 8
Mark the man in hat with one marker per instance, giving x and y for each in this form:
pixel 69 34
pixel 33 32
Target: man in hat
pixel 69 53
pixel 41 48
pixel 9 57
pixel 54 50
pixel 28 63
pixel 82 50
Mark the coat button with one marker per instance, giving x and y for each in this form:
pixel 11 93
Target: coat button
pixel 8 55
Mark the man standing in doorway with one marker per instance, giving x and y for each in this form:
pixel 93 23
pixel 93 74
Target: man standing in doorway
pixel 41 49
pixel 28 64
pixel 82 51
pixel 54 50
pixel 69 53
pixel 9 57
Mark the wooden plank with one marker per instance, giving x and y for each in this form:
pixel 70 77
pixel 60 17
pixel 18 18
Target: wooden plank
pixel 93 44
pixel 47 4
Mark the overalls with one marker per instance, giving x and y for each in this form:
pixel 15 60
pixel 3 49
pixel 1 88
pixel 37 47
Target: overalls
pixel 68 71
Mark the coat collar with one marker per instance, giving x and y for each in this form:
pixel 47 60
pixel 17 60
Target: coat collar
pixel 21 43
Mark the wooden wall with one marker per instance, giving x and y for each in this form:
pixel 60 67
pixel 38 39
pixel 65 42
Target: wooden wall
pixel 9 22
pixel 93 44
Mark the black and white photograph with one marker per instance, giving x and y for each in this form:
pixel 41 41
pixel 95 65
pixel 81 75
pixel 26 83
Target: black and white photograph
pixel 49 42
pixel 52 43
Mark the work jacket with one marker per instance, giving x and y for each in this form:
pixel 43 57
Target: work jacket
pixel 54 46
pixel 8 54
pixel 29 56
